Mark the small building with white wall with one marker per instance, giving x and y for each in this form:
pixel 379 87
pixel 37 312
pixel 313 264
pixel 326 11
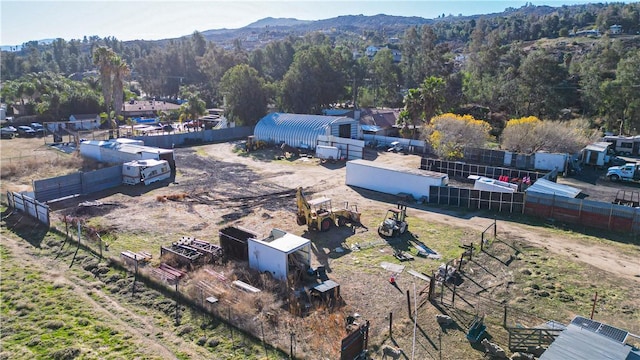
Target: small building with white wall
pixel 280 254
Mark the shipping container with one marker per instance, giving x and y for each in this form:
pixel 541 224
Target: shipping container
pixel 393 180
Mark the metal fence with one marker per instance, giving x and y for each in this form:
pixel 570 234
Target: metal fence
pixel 32 207
pixel 477 199
pixel 80 183
pixel 169 141
pixel 584 212
pixel 463 170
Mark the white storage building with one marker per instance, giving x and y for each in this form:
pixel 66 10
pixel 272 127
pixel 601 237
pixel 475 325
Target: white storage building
pixel 302 131
pixel 275 253
pixel 392 180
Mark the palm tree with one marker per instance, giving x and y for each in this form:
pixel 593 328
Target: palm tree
pixel 120 71
pixel 113 70
pixel 193 108
pixel 102 58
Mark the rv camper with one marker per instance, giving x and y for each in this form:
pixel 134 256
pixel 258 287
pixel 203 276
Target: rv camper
pixel 145 171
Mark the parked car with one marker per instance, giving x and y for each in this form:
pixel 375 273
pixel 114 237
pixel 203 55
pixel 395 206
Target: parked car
pixel 396 147
pixel 8 132
pixel 38 128
pixel 26 131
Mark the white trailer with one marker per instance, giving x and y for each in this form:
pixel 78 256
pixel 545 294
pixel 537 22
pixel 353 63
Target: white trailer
pixel 489 184
pixel 331 153
pixel 145 171
pixel 392 180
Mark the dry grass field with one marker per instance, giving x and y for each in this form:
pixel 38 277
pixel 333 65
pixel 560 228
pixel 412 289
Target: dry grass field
pixel 538 271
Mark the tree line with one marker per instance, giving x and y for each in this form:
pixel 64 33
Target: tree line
pixel 522 63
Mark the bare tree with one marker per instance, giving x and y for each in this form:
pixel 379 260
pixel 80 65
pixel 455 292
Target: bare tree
pixel 529 135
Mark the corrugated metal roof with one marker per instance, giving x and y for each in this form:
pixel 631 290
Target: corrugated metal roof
pixel 373 128
pixel 581 342
pixel 297 130
pixel 126 147
pixel 598 146
pixel 288 243
pixel 549 187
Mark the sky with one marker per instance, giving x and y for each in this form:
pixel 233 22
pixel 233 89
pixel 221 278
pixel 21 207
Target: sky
pixel 24 20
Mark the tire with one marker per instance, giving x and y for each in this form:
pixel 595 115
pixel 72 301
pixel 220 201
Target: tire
pixel 301 220
pixel 342 221
pixel 325 225
pixel 614 177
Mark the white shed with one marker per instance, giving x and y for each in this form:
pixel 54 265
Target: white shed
pixel 275 253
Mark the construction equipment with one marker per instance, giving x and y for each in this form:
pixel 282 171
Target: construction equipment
pixel 254 144
pixel 318 214
pixel 394 223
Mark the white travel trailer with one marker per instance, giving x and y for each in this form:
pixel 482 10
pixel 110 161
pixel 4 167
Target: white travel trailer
pixel 324 152
pixel 145 171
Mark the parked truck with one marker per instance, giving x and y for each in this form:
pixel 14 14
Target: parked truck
pixel 627 172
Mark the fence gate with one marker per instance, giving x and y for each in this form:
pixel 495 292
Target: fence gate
pixel 355 343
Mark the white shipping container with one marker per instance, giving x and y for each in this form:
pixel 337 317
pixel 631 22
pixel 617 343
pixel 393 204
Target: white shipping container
pixel 392 180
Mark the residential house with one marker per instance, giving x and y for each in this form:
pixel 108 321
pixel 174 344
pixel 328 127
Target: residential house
pixel 84 122
pixel 379 121
pixel 615 29
pixel 147 108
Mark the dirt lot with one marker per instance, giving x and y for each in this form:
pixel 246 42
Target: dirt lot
pixel 217 186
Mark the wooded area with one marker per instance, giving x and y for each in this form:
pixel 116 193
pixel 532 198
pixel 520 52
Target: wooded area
pixel 532 61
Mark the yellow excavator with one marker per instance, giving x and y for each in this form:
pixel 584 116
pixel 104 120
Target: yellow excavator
pixel 253 144
pixel 318 214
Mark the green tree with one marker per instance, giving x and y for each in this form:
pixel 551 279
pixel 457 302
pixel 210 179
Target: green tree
pixel 193 108
pixel 541 85
pixel 313 81
pixel 386 77
pixel 245 95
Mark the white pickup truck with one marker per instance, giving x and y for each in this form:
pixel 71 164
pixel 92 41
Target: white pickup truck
pixel 627 172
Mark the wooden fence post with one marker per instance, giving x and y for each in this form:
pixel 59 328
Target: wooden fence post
pixel 391 325
pixel 409 304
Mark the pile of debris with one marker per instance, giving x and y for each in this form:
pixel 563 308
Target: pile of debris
pixel 191 250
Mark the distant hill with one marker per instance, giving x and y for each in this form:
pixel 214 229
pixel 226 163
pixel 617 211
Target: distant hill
pixel 19 47
pixel 277 22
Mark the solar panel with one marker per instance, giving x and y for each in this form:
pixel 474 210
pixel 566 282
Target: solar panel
pixel 586 323
pixel 613 333
pixel 608 331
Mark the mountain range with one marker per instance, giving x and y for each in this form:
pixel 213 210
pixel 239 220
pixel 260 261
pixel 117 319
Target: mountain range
pixel 340 24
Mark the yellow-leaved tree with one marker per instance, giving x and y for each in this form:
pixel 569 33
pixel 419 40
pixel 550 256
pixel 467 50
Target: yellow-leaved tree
pixel 448 134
